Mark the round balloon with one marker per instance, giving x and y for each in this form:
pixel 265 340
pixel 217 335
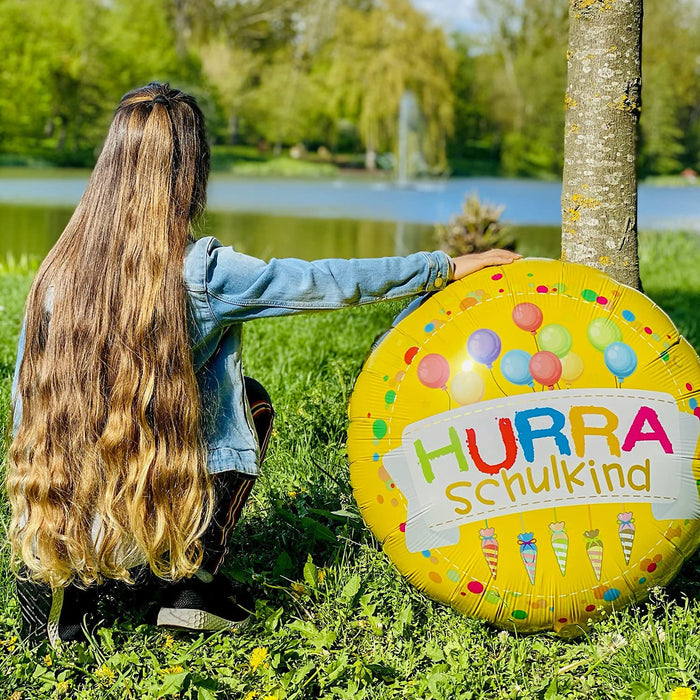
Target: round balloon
pixel 571 367
pixel 620 359
pixel 545 367
pixel 467 387
pixel 602 331
pixel 515 367
pixel 553 477
pixel 484 346
pixel 555 338
pixel 433 370
pixel 527 316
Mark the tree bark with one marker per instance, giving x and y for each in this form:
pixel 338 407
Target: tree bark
pixel 602 103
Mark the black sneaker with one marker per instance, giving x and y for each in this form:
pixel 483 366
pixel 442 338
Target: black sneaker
pixel 54 614
pixel 205 602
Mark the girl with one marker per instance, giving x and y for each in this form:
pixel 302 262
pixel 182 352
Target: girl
pixel 136 436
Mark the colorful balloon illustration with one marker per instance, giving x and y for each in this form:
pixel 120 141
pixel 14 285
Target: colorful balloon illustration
pixel 467 387
pixel 515 367
pixel 620 359
pixel 571 367
pixel 555 338
pixel 603 331
pixel 545 368
pixel 527 317
pixel 434 371
pixel 484 346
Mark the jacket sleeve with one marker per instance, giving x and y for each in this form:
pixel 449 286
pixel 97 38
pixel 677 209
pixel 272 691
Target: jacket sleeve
pixel 240 287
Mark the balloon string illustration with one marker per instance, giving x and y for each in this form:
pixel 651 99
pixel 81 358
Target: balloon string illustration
pixel 495 381
pixel 449 398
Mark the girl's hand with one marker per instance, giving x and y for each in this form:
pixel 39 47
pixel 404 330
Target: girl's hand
pixel 466 264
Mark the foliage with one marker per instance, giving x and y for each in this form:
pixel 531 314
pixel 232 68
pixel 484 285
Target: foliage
pixel 477 228
pixel 522 76
pixel 670 118
pixel 333 618
pixel 332 73
pixel 375 57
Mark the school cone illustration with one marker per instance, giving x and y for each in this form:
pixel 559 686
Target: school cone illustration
pixel 489 546
pixel 594 549
pixel 528 553
pixel 626 533
pixel 560 544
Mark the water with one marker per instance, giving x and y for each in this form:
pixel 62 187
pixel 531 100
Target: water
pixel 330 218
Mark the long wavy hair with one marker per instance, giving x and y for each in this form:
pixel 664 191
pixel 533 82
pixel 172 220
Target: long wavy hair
pixel 108 465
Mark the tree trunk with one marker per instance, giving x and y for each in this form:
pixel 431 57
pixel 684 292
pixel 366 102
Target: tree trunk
pixel 602 103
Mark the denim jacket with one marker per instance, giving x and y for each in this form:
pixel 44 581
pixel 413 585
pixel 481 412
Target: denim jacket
pixel 227 288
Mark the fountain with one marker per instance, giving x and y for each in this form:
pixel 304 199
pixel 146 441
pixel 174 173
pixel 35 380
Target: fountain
pixel 409 161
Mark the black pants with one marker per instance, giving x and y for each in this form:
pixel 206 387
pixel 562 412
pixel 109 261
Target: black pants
pixel 231 488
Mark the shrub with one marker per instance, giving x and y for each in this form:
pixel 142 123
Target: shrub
pixel 477 228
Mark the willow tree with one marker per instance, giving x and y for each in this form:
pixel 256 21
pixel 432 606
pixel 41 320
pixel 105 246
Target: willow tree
pixel 380 50
pixel 603 102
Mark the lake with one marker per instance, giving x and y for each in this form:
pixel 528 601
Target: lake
pixel 329 218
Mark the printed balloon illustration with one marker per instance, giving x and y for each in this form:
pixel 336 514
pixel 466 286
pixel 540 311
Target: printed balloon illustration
pixel 571 367
pixel 484 346
pixel 620 359
pixel 603 331
pixel 528 453
pixel 467 387
pixel 527 317
pixel 555 338
pixel 433 371
pixel 545 367
pixel 515 367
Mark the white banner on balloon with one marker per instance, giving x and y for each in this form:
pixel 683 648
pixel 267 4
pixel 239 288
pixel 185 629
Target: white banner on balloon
pixel 544 450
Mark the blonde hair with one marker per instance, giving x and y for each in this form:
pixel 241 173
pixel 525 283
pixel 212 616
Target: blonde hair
pixel 110 434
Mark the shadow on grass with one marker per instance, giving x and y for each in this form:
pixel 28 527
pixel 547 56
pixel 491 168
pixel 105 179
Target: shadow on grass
pixel 269 547
pixel 682 307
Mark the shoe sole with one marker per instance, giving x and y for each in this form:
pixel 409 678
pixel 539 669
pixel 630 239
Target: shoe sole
pixel 193 619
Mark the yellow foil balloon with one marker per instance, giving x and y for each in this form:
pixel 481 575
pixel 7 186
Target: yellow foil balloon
pixel 497 488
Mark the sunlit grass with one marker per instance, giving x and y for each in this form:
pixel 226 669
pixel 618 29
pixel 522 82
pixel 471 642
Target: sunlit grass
pixel 334 619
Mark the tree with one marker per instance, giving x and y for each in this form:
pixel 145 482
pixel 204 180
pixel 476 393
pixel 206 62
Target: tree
pixel 670 122
pixel 378 53
pixel 522 71
pixel 602 103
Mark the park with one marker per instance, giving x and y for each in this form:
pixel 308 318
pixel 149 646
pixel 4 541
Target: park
pixel 362 129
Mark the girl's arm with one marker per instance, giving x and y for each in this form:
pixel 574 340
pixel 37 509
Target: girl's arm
pixel 240 287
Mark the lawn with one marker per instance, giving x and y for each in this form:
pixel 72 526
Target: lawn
pixel 334 619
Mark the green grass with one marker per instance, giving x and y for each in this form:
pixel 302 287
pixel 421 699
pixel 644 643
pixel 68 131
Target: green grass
pixel 334 617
